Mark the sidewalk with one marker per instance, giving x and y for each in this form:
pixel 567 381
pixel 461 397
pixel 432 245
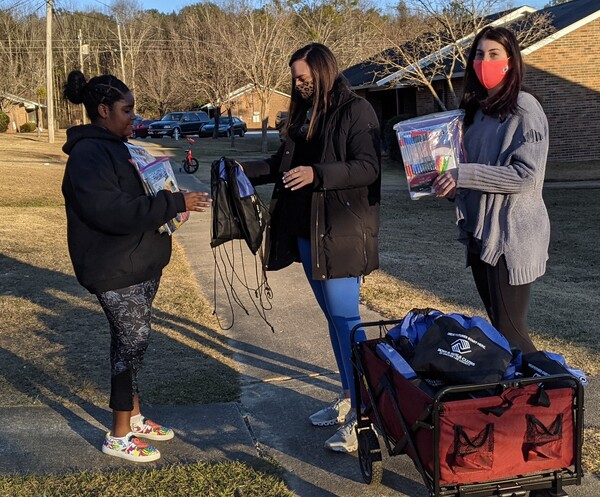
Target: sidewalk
pixel 289 374
pixel 285 376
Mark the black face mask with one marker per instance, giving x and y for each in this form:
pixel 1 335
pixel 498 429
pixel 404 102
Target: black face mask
pixel 306 90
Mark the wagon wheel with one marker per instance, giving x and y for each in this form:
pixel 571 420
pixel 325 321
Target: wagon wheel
pixel 369 456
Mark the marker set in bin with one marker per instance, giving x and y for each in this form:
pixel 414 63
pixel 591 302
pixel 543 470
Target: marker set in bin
pixel 429 146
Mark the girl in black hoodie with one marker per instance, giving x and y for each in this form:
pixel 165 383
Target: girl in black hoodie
pixel 115 247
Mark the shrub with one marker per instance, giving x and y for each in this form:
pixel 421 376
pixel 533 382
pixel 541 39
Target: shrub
pixel 28 127
pixel 390 142
pixel 4 120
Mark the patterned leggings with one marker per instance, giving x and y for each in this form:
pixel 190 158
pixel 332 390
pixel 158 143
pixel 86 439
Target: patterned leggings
pixel 128 311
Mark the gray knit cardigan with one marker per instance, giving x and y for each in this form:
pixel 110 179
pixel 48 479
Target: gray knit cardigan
pixel 499 196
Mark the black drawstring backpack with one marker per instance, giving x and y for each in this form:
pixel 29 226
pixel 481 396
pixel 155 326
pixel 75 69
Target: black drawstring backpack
pixel 238 213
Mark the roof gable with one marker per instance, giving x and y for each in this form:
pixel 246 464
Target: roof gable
pixel 565 18
pixel 28 104
pixel 248 88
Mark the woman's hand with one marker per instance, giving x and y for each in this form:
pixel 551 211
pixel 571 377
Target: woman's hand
pixel 196 201
pixel 445 184
pixel 298 177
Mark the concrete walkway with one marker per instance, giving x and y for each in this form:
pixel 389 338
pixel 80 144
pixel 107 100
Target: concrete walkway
pixel 286 375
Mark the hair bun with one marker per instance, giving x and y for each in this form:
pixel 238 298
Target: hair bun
pixel 75 87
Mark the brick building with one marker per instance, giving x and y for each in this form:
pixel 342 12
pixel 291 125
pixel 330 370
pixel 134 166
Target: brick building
pixel 245 103
pixel 20 111
pixel 561 69
pixel 564 70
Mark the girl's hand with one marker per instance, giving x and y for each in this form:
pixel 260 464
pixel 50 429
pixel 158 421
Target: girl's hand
pixel 445 184
pixel 196 201
pixel 298 177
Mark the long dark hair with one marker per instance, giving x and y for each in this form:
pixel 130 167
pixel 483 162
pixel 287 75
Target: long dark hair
pixel 475 96
pixel 326 78
pixel 106 89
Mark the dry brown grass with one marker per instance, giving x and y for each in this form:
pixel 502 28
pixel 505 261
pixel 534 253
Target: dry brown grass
pixel 422 265
pixel 53 336
pixel 591 451
pixel 52 333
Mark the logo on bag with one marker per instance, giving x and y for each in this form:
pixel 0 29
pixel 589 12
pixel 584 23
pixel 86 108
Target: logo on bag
pixel 461 347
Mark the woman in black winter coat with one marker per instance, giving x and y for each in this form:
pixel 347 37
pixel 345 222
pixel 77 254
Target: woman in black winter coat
pixel 325 207
pixel 115 247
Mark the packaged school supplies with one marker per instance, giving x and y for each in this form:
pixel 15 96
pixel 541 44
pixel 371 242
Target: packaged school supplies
pixel 429 146
pixel 156 175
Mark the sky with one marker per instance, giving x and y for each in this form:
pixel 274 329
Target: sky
pixel 169 6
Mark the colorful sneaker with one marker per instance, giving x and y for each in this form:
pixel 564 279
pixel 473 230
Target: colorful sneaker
pixel 334 414
pixel 129 447
pixel 345 439
pixel 145 428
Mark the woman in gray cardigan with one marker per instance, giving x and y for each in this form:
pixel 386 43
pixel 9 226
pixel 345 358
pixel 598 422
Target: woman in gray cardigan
pixel 502 219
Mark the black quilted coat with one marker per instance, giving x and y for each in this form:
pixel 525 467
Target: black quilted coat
pixel 345 198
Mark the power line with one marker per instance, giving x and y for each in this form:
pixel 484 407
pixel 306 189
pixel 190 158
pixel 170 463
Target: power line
pixel 19 4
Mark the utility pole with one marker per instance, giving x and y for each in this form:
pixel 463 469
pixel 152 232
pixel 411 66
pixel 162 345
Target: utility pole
pixel 83 116
pixel 49 72
pixel 121 51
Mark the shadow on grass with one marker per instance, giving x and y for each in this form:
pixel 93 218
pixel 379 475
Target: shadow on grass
pixel 54 343
pixel 59 359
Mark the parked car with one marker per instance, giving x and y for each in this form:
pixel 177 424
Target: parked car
pixel 140 128
pixel 178 123
pixel 239 127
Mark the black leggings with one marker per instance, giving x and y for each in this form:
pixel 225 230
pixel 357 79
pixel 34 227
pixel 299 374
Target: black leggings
pixel 128 311
pixel 506 304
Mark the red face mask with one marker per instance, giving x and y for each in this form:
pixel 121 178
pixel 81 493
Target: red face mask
pixel 490 72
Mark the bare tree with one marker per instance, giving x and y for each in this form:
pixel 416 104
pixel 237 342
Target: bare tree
pixel 205 61
pixel 159 88
pixel 348 27
pixel 446 30
pixel 264 34
pixel 199 55
pixel 136 28
pixel 21 52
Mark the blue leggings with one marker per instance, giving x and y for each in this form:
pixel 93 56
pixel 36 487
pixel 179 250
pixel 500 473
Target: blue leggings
pixel 338 299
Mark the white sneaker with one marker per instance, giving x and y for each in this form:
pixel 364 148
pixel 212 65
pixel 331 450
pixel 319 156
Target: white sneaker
pixel 334 414
pixel 345 439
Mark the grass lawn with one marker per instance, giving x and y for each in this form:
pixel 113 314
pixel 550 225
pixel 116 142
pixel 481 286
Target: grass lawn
pixel 230 479
pixel 50 323
pixel 54 339
pixel 422 264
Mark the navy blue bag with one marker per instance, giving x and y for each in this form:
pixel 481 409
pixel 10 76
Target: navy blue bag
pixel 458 349
pixel 405 336
pixel 544 363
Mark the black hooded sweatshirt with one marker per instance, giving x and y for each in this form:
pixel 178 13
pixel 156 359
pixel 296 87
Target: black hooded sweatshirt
pixel 111 222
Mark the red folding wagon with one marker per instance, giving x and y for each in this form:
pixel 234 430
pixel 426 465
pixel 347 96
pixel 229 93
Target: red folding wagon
pixel 497 439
